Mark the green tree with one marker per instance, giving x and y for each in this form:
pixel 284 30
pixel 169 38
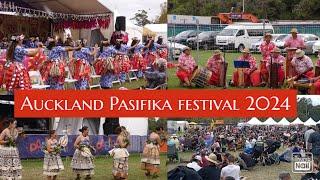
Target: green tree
pixel 141 18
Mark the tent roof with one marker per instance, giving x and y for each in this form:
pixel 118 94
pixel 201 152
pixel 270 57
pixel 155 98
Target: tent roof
pixel 156 27
pixel 70 6
pixel 297 121
pixel 284 122
pixel 254 121
pixel 310 122
pixel 269 121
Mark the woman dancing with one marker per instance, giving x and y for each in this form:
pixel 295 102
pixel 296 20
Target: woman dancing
pixel 137 60
pixel 10 166
pixel 120 154
pixel 150 161
pixel 52 165
pixel 16 74
pixel 82 161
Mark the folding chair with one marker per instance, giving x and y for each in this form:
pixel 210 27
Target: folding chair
pixel 94 80
pixel 132 75
pixel 69 82
pixel 36 80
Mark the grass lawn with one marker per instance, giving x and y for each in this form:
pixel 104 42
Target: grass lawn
pixel 32 169
pixel 259 172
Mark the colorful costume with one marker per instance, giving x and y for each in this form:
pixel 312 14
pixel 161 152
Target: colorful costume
pixel 301 66
pixel 52 164
pixel 137 60
pixel 213 65
pixel 10 167
pixel 188 64
pixel 265 49
pixel 150 160
pixel 151 54
pixel 34 63
pixel 3 61
pixel 251 78
pixel 16 75
pixel 163 53
pixel 82 163
pixel 80 68
pixel 53 69
pixel 122 63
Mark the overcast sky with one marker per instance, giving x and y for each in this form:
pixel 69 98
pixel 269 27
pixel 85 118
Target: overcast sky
pixel 129 7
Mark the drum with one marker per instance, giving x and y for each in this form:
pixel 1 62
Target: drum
pixel 274 75
pixel 223 74
pixel 201 77
pixel 289 69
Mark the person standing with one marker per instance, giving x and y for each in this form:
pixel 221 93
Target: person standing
pixel 307 135
pixel 266 49
pixel 314 140
pixel 82 160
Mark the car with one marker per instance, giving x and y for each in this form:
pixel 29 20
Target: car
pixel 183 36
pixel 255 47
pixel 175 49
pixel 316 47
pixel 206 40
pixel 309 40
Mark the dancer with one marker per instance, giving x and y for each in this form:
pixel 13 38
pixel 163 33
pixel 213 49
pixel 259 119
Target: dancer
pixel 137 60
pixel 150 160
pixel 10 166
pixel 16 74
pixel 53 69
pixel 151 51
pixel 79 67
pixel 162 52
pixel 121 60
pixel 82 160
pixel 52 165
pixel 120 154
pixel 186 67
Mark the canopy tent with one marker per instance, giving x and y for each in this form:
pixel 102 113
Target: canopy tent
pixel 310 122
pixel 193 123
pixel 133 31
pixel 254 121
pixel 283 122
pixel 318 122
pixel 297 122
pixel 135 126
pixel 269 122
pixel 156 30
pixel 72 125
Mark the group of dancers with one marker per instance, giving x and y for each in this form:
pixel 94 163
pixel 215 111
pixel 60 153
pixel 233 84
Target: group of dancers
pixel 273 65
pixel 82 162
pixel 54 61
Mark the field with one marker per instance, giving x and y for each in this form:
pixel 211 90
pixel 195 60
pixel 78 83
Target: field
pixel 259 172
pixel 32 169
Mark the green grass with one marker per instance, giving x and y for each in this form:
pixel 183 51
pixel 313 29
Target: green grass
pixel 259 172
pixel 32 169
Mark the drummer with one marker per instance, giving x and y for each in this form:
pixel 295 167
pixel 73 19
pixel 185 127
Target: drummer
pixel 280 60
pixel 186 67
pixel 251 74
pixel 266 48
pixel 302 65
pixel 213 65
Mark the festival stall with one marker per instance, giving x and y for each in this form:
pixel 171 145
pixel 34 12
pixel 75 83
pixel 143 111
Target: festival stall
pixel 297 122
pixel 283 122
pixel 269 122
pixel 310 122
pixel 156 30
pixel 254 122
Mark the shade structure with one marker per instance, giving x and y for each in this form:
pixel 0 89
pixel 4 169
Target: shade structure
pixel 318 122
pixel 254 121
pixel 283 122
pixel 310 122
pixel 269 122
pixel 297 122
pixel 193 123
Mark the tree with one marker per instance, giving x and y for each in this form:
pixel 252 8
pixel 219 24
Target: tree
pixel 162 19
pixel 141 18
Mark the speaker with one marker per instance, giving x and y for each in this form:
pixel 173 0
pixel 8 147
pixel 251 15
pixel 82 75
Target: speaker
pixel 120 23
pixel 110 126
pixel 6 107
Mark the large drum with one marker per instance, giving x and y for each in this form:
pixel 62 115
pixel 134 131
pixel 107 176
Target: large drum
pixel 289 68
pixel 201 77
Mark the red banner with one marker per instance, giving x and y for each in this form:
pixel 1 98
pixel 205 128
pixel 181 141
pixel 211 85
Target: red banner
pixel 163 103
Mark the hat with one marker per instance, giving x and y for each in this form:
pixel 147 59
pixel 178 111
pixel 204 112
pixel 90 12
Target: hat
pixel 294 30
pixel 245 50
pixel 197 157
pixel 185 48
pixel 174 135
pixel 276 50
pixel 216 52
pixel 299 53
pixel 267 34
pixel 136 38
pixel 212 158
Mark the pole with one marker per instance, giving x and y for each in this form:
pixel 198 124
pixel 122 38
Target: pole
pixel 243 6
pixel 198 55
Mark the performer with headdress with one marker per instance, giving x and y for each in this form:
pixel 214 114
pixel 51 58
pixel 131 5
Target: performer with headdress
pixel 186 66
pixel 10 167
pixel 214 65
pixel 137 60
pixel 266 48
pixel 52 165
pixel 120 154
pixel 82 160
pixel 15 73
pixel 79 66
pixel 162 52
pixel 251 74
pixel 53 69
pixel 151 53
pixel 150 160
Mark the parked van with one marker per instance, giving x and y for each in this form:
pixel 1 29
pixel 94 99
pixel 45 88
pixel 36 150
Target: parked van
pixel 242 35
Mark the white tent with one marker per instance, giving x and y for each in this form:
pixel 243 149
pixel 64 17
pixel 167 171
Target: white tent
pixel 318 122
pixel 269 122
pixel 133 31
pixel 310 122
pixel 159 29
pixel 284 122
pixel 254 121
pixel 135 126
pixel 297 122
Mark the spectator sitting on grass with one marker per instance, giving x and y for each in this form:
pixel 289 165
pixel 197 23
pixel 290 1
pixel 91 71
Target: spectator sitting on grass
pixel 232 169
pixel 284 176
pixel 195 163
pixel 211 171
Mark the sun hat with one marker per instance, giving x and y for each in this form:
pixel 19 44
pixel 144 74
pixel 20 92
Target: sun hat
pixel 294 30
pixel 299 53
pixel 276 50
pixel 212 158
pixel 216 52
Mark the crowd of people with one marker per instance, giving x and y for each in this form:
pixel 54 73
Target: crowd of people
pixel 224 151
pixel 82 162
pixel 273 70
pixel 55 60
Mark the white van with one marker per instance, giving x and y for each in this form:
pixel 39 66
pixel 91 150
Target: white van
pixel 242 35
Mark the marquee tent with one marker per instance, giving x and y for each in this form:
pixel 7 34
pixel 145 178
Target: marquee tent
pixel 284 122
pixel 310 122
pixel 135 126
pixel 297 122
pixel 156 30
pixel 269 121
pixel 254 121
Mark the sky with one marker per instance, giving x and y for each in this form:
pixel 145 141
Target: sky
pixel 129 7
